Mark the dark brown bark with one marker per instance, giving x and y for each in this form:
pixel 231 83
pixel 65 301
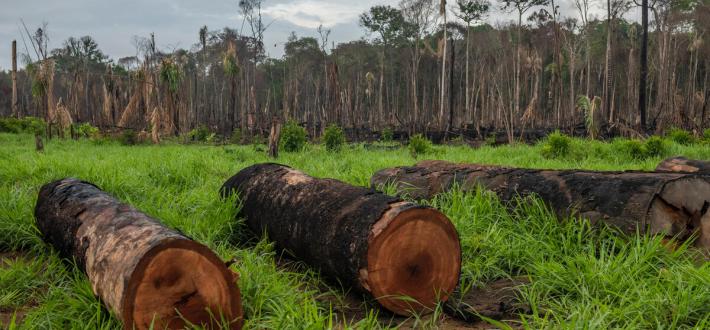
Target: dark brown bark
pixel 143 271
pixel 378 244
pixel 15 111
pixel 671 204
pixel 684 165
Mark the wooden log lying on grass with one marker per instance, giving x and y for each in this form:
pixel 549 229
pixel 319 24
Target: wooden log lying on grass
pixel 147 274
pixel 684 165
pixel 375 243
pixel 671 204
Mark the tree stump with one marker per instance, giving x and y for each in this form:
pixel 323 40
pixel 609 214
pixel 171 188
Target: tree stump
pixel 144 272
pixel 670 204
pixel 274 137
pixel 684 165
pixel 378 244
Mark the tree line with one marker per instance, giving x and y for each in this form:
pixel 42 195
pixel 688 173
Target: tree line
pixel 422 66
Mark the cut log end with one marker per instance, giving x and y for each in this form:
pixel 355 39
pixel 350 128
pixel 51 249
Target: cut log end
pixel 680 210
pixel 413 260
pixel 199 289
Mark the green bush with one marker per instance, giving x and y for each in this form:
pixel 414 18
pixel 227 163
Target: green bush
pixel 634 149
pixel 387 135
pixel 199 134
pixel 557 145
pixel 128 137
pixel 334 138
pixel 706 134
pixel 680 136
pixel 86 130
pixel 30 125
pixel 419 145
pixel 293 137
pixel 654 147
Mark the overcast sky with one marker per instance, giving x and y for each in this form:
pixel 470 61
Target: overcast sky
pixel 176 22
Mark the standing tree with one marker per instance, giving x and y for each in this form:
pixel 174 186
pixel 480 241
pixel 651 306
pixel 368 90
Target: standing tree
pixel 644 67
pixel 388 22
pixel 442 12
pixel 470 11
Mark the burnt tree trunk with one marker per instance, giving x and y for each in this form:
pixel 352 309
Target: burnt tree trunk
pixel 378 244
pixel 274 137
pixel 671 204
pixel 147 274
pixel 684 165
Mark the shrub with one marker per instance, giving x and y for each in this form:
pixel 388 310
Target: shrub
pixel 634 149
pixel 387 135
pixel 30 125
pixel 654 147
pixel 128 137
pixel 199 134
pixel 556 145
pixel 706 134
pixel 293 137
pixel 86 130
pixel 419 145
pixel 334 138
pixel 680 136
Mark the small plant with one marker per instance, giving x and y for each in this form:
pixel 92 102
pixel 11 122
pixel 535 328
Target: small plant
pixel 419 145
pixel 199 134
pixel 654 147
pixel 634 148
pixel 334 138
pixel 589 107
pixel 490 140
pixel 680 136
pixel 387 135
pixel 706 134
pixel 557 145
pixel 293 137
pixel 128 137
pixel 87 131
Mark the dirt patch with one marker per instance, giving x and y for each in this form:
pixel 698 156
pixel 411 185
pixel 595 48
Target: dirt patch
pixel 497 300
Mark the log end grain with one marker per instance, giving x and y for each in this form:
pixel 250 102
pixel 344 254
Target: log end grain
pixel 179 281
pixel 413 259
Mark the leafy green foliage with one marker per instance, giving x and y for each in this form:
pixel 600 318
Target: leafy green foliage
pixel 419 145
pixel 589 107
pixel 30 125
pixel 334 138
pixel 633 148
pixel 199 134
pixel 293 137
pixel 556 145
pixel 87 130
pixel 640 150
pixel 387 135
pixel 706 134
pixel 170 75
pixel 680 136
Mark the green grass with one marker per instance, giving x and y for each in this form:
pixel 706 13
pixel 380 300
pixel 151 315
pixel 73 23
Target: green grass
pixel 581 277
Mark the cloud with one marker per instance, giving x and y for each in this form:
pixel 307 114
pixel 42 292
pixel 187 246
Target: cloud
pixel 312 13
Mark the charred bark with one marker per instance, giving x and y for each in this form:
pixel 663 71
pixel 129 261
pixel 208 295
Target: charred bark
pixel 684 165
pixel 670 204
pixel 376 243
pixel 147 274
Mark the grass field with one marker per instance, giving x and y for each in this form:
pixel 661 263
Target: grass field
pixel 580 277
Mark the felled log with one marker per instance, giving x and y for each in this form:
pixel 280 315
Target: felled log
pixel 684 165
pixel 147 274
pixel 670 204
pixel 377 244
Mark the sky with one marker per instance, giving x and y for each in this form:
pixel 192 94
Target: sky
pixel 113 24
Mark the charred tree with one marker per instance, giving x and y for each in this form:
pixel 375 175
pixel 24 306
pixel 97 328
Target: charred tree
pixel 376 243
pixel 15 110
pixel 147 274
pixel 684 165
pixel 670 204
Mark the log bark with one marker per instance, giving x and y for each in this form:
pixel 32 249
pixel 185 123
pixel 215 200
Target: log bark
pixel 147 274
pixel 670 204
pixel 378 244
pixel 684 165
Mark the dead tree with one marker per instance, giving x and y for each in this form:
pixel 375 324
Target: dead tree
pixel 378 244
pixel 147 274
pixel 670 204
